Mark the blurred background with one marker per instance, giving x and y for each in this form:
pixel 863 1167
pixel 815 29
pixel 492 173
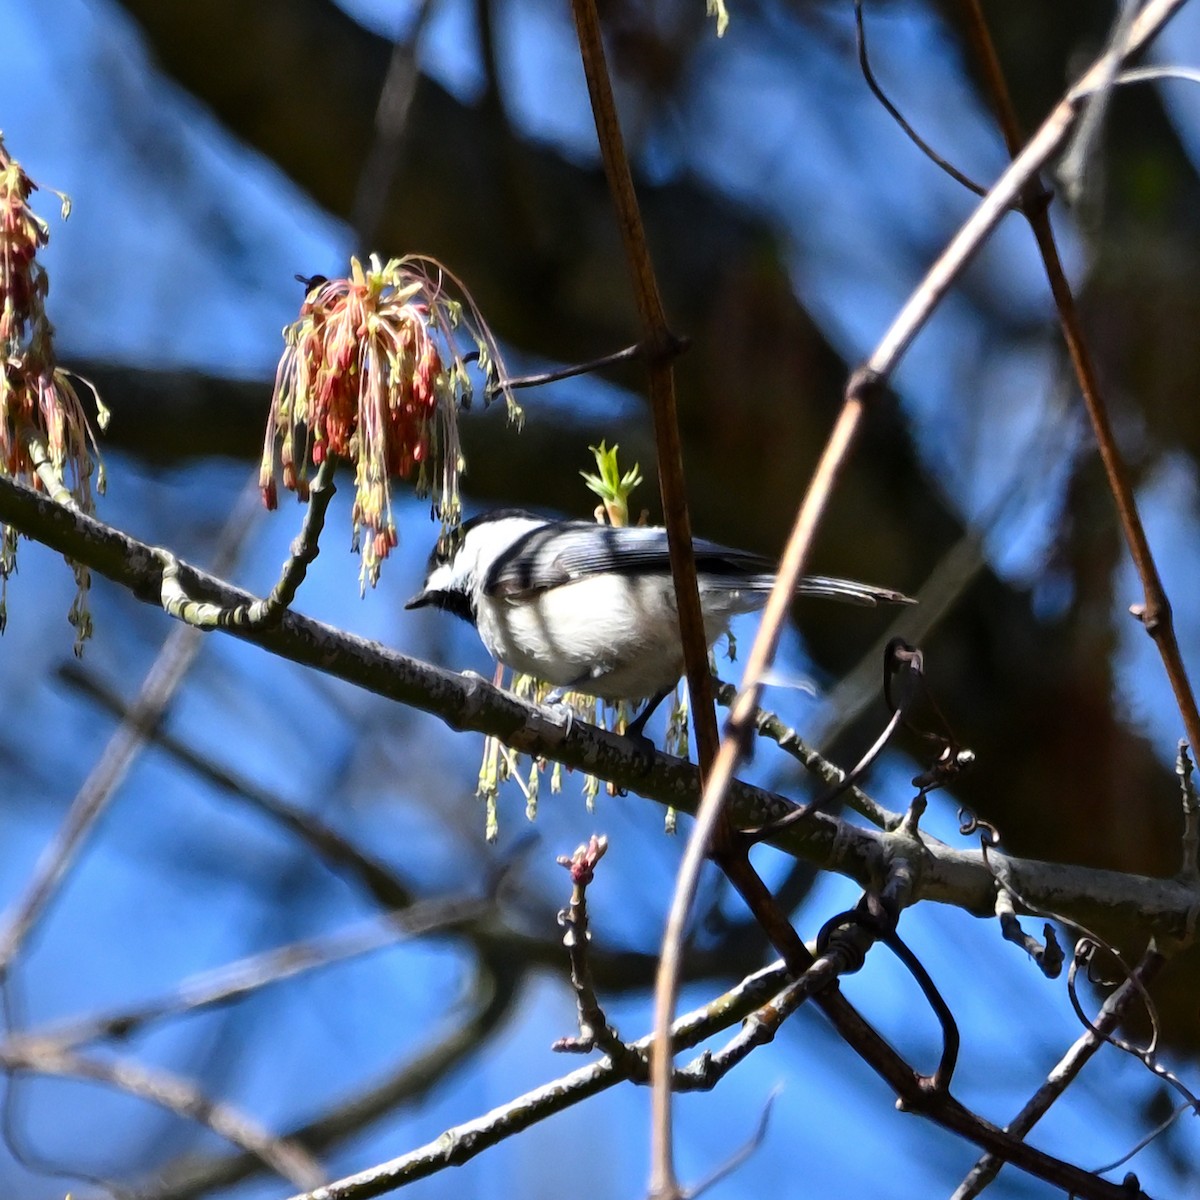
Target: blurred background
pixel 212 152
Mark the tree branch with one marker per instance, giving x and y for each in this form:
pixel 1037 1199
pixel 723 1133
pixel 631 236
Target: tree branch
pixel 467 701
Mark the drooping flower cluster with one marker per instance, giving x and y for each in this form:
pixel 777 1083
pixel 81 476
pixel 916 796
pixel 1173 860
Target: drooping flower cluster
pixel 364 377
pixel 45 438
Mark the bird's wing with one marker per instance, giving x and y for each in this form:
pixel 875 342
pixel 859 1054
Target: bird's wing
pixel 569 550
pixel 562 552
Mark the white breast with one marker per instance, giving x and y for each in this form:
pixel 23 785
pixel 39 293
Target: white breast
pixel 609 636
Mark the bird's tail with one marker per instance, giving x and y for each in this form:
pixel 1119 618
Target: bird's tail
pixel 748 592
pixel 850 590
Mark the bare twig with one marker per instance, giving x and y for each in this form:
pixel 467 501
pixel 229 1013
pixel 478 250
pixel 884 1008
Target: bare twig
pixel 1143 1142
pixel 1072 169
pixel 168 672
pixel 391 121
pixel 897 656
pixel 864 63
pixel 1045 143
pixel 1189 869
pixel 710 816
pixel 1155 610
pixel 1046 954
pixel 236 980
pixel 43 466
pixel 1004 883
pixel 739 1156
pixel 494 993
pixel 268 611
pixel 789 741
pixel 663 346
pixel 954 573
pixel 638 350
pixel 177 1095
pixel 594 1029
pixel 1066 1071
pixel 1147 1055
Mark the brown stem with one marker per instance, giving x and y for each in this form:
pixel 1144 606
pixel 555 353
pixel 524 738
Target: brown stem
pixel 1065 1072
pixel 1155 610
pixel 1016 182
pixel 662 345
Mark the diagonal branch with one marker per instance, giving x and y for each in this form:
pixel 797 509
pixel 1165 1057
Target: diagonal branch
pixel 1155 610
pixel 283 1156
pixel 168 672
pixel 864 385
pixel 495 991
pixel 237 980
pixel 1066 1071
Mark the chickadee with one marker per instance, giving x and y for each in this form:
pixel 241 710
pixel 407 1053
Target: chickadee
pixel 591 608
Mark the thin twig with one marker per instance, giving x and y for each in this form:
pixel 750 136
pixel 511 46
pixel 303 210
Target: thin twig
pixel 1067 1070
pixel 1145 1141
pixel 769 725
pixel 910 660
pixel 864 63
pixel 711 813
pixel 638 350
pixel 236 980
pixel 1045 143
pixel 594 1030
pixel 177 1095
pixel 1155 610
pixel 43 467
pixel 158 688
pixel 1047 954
pixel 739 1156
pixel 1147 1055
pixel 663 347
pixel 1072 168
pixel 391 123
pixel 943 588
pixel 268 611
pixel 1189 868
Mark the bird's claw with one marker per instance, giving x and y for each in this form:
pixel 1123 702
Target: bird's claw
pixel 556 704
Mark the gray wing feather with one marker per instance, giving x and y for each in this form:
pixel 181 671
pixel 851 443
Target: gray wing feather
pixel 562 552
pixel 569 550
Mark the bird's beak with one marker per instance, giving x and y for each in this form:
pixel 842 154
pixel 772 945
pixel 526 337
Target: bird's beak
pixel 420 600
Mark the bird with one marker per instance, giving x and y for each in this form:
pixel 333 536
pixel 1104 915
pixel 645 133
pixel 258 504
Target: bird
pixel 590 608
